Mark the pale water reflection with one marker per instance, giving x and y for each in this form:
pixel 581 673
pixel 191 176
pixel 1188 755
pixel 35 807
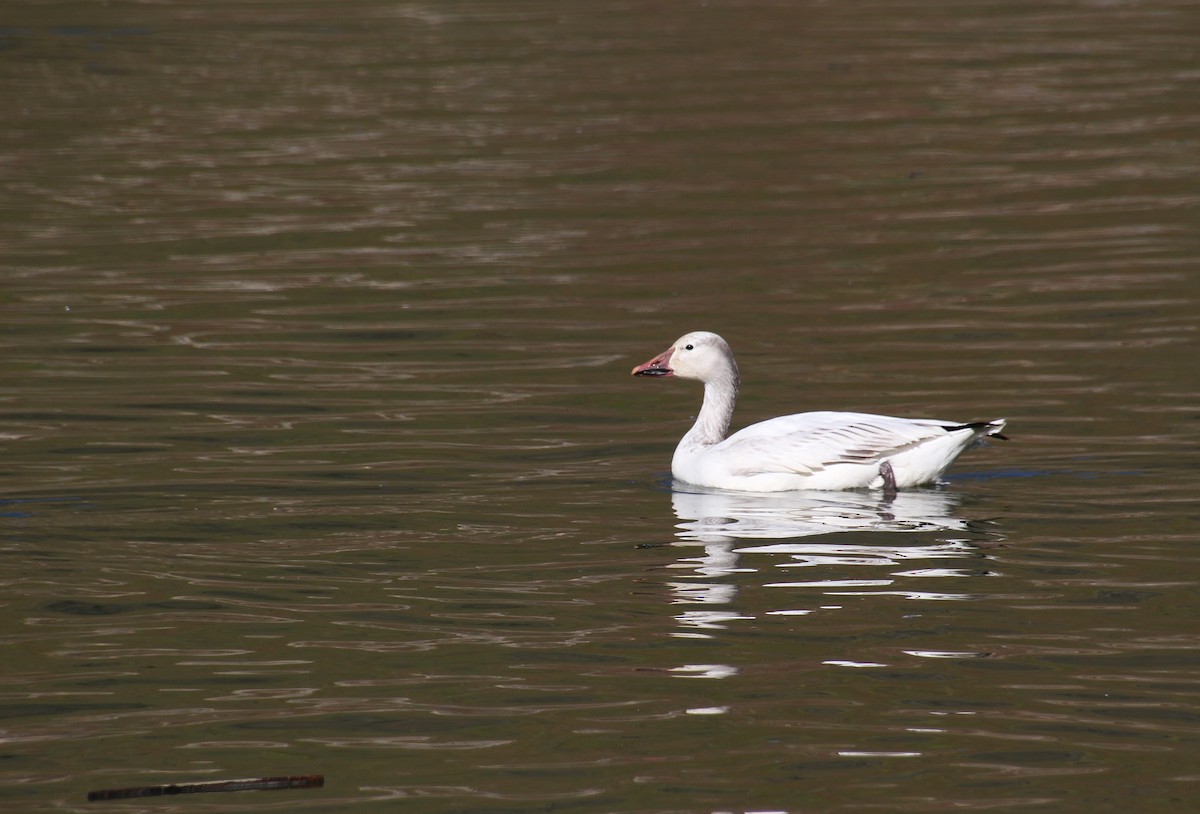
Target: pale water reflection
pixel 862 532
pixel 713 515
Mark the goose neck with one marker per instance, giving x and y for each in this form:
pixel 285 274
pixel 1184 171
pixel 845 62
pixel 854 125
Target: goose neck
pixel 712 423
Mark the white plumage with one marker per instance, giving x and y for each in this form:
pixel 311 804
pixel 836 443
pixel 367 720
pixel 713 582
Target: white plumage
pixel 819 450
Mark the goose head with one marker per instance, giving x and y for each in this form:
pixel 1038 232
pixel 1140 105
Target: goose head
pixel 701 355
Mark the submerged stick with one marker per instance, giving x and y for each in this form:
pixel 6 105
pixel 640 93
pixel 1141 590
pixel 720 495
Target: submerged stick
pixel 299 781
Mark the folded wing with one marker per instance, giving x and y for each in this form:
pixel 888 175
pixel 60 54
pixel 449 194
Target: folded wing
pixel 807 443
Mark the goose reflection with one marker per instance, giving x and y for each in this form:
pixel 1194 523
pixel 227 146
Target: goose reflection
pixel 719 528
pixel 716 516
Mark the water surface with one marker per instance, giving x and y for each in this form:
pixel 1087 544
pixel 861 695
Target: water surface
pixel 321 455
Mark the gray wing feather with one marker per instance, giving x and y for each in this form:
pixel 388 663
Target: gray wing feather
pixel 810 442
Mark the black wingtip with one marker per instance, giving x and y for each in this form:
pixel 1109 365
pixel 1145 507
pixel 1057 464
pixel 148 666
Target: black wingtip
pixel 982 428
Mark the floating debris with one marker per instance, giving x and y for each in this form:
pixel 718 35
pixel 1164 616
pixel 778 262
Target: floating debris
pixel 302 781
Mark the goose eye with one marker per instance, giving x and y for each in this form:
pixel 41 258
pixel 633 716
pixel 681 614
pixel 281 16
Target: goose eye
pixel 687 347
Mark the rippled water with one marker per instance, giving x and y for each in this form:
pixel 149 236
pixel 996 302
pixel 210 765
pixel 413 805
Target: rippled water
pixel 321 455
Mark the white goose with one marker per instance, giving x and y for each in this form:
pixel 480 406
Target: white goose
pixel 822 450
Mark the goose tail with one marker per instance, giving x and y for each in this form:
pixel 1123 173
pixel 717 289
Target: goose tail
pixel 983 429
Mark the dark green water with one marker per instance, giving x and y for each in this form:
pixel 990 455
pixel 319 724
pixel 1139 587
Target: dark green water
pixel 321 456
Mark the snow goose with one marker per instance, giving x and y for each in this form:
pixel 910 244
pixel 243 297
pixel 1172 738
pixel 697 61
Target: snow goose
pixel 820 450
